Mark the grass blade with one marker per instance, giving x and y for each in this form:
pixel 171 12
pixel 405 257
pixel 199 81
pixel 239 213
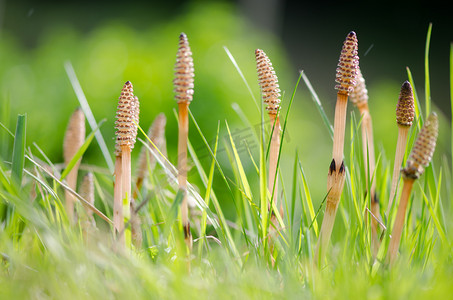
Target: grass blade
pixel 18 159
pixel 80 152
pixel 318 104
pixel 427 84
pixel 235 64
pixel 88 114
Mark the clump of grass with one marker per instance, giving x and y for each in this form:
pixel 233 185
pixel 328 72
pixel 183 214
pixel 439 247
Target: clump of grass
pixel 359 97
pixel 184 84
pixel 420 157
pixel 346 79
pixel 73 140
pixel 405 113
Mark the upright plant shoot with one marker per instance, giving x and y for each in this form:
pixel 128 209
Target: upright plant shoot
pixel 270 92
pixel 183 87
pixel 126 133
pixel 346 78
pixel 420 157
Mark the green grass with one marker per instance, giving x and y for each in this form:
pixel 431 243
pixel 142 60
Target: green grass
pixel 43 256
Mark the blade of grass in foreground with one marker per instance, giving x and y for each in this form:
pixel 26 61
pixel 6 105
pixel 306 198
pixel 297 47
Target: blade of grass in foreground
pixel 88 114
pixel 230 56
pixel 85 202
pixel 80 152
pixel 427 84
pixel 451 97
pixel 318 104
pixel 18 159
pixel 224 233
pixel 418 116
pixel 208 192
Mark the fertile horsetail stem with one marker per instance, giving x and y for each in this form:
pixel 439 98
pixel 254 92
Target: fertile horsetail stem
pixel 346 78
pixel 420 157
pixel 73 140
pixel 183 88
pixel 270 92
pixel 126 133
pixel 405 113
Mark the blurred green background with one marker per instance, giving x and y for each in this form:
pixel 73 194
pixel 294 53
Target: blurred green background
pixel 112 42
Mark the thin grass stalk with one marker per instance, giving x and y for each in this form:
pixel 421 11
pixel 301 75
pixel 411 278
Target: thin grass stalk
pixel 419 158
pixel 347 79
pixel 405 113
pixel 73 140
pixel 183 87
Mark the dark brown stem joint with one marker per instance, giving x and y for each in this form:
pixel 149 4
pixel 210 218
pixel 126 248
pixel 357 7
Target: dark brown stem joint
pixel 187 233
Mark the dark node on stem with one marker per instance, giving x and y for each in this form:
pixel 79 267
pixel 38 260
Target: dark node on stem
pixel 342 167
pixel 332 167
pixel 375 199
pixel 187 233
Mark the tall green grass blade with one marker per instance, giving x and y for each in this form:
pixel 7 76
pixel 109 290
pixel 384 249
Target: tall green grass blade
pixel 418 115
pixel 264 205
pixel 308 200
pixel 5 110
pixel 244 182
pixel 427 83
pixel 318 104
pixel 80 152
pixel 238 69
pixel 451 99
pixel 435 218
pixel 88 114
pixel 214 198
pixel 18 159
pixel 207 197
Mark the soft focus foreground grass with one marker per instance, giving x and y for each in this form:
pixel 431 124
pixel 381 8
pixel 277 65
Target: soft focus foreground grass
pixel 43 257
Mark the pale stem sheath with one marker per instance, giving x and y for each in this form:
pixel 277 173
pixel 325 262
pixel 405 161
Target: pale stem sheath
pixel 399 221
pixel 399 154
pixel 118 217
pixel 273 159
pixel 339 129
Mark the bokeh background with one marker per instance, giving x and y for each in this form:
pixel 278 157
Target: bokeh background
pixel 111 42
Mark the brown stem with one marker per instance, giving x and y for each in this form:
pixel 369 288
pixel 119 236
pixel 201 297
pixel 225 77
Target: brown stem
pixel 399 154
pixel 183 134
pixel 336 176
pixel 399 221
pixel 335 184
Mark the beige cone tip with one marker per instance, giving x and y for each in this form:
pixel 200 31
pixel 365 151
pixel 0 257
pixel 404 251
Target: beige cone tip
pixel 346 77
pixel 268 82
pixel 405 108
pixel 423 149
